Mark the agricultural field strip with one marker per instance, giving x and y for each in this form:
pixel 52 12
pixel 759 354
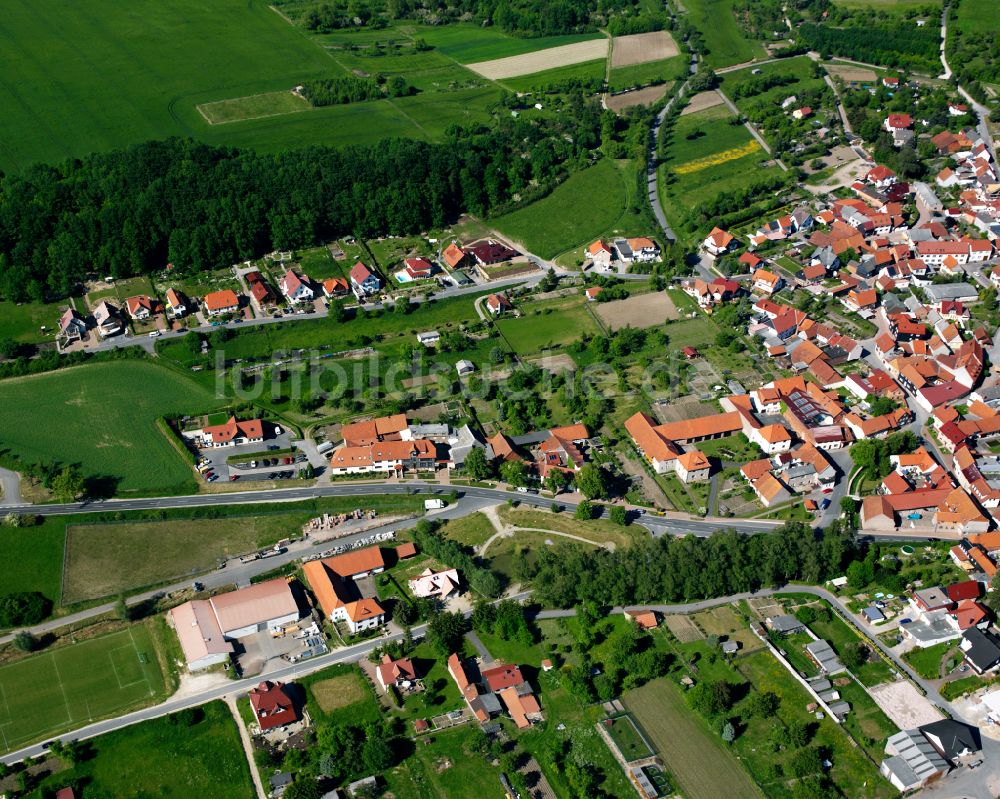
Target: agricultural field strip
pixel 541 60
pixel 642 48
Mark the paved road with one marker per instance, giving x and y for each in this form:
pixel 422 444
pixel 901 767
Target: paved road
pixel 11 484
pixel 652 159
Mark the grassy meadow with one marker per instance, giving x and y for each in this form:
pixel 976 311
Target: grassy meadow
pixel 102 417
pixel 166 758
pixel 585 206
pixel 724 41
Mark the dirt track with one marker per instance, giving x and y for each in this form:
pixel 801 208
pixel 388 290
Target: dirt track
pixel 847 73
pixel 641 48
pixel 529 63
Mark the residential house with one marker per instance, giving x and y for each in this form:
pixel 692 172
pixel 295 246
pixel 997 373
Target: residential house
pixel 336 287
pixel 498 304
pixel 418 268
pixel 364 281
pixel 437 585
pixel 259 289
pixel 765 282
pixel 400 673
pixel 272 706
pixel 296 288
pixel 251 431
pixel 385 456
pixel 644 250
pixel 332 582
pixel 72 325
pixel 140 307
pixel 178 304
pixel 600 254
pixel 981 650
pixel 719 242
pixel 108 319
pixel 454 256
pixel 491 253
pixel 221 302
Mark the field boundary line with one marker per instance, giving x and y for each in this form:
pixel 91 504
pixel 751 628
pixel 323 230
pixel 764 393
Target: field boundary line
pixel 6 707
pixel 145 675
pixel 200 107
pixel 69 712
pixel 62 575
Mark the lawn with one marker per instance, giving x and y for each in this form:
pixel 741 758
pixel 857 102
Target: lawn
pixel 256 106
pixel 724 42
pixel 628 740
pixel 685 745
pixel 102 417
pixel 597 530
pixel 468 43
pixel 800 68
pixel 67 687
pixel 23 321
pixel 560 322
pixel 470 531
pixel 927 661
pixel 166 758
pixel 340 695
pixel 585 206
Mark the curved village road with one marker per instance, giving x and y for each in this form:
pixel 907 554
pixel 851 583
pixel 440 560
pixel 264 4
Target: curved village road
pixel 965 783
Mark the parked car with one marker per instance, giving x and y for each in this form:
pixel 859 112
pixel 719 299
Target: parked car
pixel 233 477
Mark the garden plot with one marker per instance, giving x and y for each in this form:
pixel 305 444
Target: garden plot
pixel 641 48
pixel 550 58
pixel 683 628
pixel 644 310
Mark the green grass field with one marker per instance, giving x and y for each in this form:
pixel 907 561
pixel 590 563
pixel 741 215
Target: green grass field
pixel 567 321
pixel 974 16
pixel 628 740
pixel 685 746
pixel 468 43
pixel 889 6
pixel 164 759
pixel 587 70
pixel 669 69
pixel 23 321
pixel 256 106
pixel 724 41
pixel 68 687
pixel 585 206
pixel 141 62
pixel 799 67
pixel 103 416
pixel 37 552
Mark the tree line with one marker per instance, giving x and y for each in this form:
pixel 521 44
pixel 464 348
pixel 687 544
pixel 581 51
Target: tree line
pixel 671 569
pixel 351 89
pixel 890 45
pixel 132 211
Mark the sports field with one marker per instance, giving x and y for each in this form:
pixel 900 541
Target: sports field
pixel 102 416
pixel 724 41
pixel 68 687
pixel 586 205
pixel 685 746
pixel 256 106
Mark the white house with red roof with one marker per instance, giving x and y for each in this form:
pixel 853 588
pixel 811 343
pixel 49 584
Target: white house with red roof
pixel 418 268
pixel 719 242
pixel 600 254
pixel 440 585
pixel 364 281
pixel 72 325
pixel 233 432
pixel 296 288
pixel 178 304
pixel 897 122
pixel 498 304
pixel 139 307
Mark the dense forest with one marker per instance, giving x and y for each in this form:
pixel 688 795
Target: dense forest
pixel 519 17
pixel 131 211
pixel 671 569
pixel 888 45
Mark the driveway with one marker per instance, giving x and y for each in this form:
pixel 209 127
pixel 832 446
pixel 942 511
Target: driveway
pixel 10 483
